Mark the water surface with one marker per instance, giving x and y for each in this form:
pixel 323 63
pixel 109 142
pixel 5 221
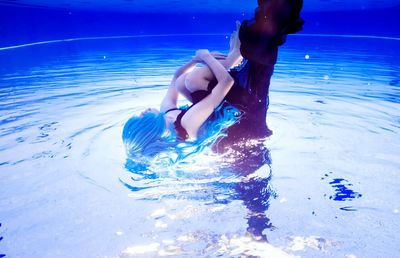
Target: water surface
pixel 324 184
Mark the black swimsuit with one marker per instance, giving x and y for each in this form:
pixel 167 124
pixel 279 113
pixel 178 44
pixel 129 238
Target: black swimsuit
pixel 249 94
pixel 181 133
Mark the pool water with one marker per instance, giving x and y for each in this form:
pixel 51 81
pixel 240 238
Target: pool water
pixel 325 184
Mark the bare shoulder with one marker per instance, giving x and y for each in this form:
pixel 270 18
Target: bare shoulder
pixel 170 99
pixel 194 118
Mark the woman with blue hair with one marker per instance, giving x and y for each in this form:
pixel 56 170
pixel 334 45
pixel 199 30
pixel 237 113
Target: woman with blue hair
pixel 245 88
pixel 188 129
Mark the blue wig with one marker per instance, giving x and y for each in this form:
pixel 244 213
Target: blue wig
pixel 213 130
pixel 146 136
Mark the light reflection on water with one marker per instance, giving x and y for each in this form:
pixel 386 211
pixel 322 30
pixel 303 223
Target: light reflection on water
pixel 66 181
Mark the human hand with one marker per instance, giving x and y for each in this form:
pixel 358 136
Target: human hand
pixel 238 24
pixel 218 55
pixel 234 43
pixel 200 55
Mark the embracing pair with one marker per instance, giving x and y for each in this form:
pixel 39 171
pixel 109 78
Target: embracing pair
pixel 229 94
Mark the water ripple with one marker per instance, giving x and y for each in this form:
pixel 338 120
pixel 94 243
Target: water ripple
pixel 334 107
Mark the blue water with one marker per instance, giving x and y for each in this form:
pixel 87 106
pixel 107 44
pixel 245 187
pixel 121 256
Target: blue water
pixel 327 175
pixel 325 184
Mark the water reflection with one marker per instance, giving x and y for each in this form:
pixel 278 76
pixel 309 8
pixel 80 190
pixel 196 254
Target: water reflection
pixel 343 191
pixel 244 175
pixel 61 120
pixel 253 165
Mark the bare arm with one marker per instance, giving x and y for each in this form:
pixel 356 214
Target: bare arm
pixel 171 97
pixel 234 58
pixel 185 68
pixel 213 64
pixel 198 114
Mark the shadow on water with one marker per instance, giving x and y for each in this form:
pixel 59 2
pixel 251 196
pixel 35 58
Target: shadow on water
pixel 243 175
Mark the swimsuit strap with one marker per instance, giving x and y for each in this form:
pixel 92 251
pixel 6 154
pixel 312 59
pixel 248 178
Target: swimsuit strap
pixel 171 109
pixel 181 133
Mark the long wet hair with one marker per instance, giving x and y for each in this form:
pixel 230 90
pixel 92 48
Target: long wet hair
pixel 212 131
pixel 145 137
pixel 291 22
pixel 294 22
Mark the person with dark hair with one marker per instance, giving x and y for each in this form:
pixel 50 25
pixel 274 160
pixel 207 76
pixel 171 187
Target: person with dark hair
pixel 260 38
pixel 213 90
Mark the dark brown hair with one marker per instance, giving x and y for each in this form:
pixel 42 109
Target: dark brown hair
pixel 295 22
